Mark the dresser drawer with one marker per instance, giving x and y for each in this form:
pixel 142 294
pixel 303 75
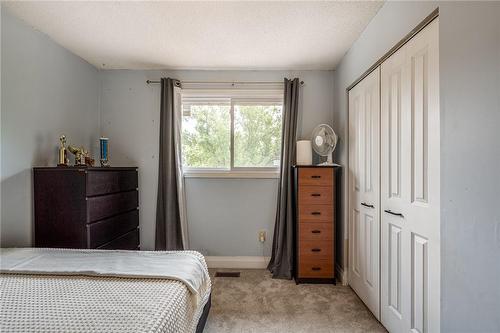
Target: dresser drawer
pixel 316 231
pixel 313 268
pixel 315 213
pixel 104 231
pixel 315 176
pixel 105 182
pixel 129 241
pixel 105 206
pixel 316 195
pixel 309 249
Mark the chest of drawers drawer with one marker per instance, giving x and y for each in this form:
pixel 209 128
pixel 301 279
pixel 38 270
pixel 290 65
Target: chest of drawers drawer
pixel 315 268
pixel 315 231
pixel 107 182
pixel 315 195
pixel 101 207
pixel 104 231
pixel 315 213
pixel 129 241
pixel 312 249
pixel 315 176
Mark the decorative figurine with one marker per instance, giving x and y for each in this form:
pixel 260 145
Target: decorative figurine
pixel 89 161
pixel 103 142
pixel 63 153
pixel 79 155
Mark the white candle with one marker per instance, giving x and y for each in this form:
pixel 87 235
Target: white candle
pixel 304 152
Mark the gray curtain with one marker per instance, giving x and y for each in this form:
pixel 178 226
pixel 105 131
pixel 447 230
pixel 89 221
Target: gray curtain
pixel 168 221
pixel 281 264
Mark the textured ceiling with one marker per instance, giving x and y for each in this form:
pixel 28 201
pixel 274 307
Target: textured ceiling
pixel 202 35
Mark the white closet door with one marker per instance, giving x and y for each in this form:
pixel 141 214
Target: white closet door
pixel 364 184
pixel 410 186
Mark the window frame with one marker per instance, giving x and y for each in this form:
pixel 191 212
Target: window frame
pixel 237 97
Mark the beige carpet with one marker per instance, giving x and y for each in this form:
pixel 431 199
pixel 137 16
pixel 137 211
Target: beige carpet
pixel 256 303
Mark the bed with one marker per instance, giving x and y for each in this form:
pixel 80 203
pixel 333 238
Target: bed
pixel 56 290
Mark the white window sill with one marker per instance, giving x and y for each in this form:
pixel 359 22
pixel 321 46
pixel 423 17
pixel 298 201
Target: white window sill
pixel 233 174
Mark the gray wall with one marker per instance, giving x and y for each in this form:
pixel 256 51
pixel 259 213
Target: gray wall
pixel 46 91
pixel 470 162
pixel 224 215
pixel 470 147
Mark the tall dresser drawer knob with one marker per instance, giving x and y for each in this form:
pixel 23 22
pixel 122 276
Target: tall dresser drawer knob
pixel 315 177
pixel 316 250
pixel 316 268
pixel 316 213
pixel 315 195
pixel 316 231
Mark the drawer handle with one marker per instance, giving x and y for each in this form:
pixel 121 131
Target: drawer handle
pixel 367 205
pixel 316 213
pixel 316 231
pixel 316 177
pixel 316 268
pixel 388 211
pixel 316 250
pixel 315 195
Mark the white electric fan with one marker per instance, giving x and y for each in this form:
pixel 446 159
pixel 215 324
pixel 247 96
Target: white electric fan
pixel 324 141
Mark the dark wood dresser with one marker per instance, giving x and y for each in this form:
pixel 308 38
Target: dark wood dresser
pixel 315 217
pixel 86 208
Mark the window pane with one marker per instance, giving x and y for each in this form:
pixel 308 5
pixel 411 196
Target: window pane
pixel 206 136
pixel 257 135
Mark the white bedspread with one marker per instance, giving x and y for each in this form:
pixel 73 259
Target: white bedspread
pixel 176 265
pixel 53 290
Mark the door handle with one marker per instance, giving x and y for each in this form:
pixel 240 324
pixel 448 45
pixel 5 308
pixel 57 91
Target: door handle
pixel 388 211
pixel 367 205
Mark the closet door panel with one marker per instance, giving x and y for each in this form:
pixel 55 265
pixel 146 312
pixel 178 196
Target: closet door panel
pixel 410 184
pixel 394 269
pixel 419 287
pixel 364 184
pixel 357 249
pixel 423 222
pixel 420 133
pixel 369 239
pixel 394 191
pixel 394 128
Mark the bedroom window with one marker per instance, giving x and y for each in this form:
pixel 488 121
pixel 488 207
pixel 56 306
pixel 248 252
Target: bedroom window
pixel 229 136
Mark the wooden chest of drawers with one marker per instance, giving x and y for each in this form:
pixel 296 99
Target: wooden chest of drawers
pixel 79 207
pixel 314 208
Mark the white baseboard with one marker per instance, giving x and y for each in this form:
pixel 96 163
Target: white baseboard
pixel 341 275
pixel 256 262
pixel 241 262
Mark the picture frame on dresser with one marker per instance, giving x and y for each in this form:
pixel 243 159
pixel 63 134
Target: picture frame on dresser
pixel 86 207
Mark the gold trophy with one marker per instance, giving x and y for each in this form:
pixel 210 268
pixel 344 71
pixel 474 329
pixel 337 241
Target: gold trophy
pixel 63 153
pixel 79 153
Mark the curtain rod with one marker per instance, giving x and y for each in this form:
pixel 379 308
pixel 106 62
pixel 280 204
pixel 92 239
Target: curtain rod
pixel 228 82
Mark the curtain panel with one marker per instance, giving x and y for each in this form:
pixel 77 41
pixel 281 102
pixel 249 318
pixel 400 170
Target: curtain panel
pixel 171 217
pixel 282 258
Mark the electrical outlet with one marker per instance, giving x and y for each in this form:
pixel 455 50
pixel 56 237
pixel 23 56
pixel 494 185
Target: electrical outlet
pixel 262 236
